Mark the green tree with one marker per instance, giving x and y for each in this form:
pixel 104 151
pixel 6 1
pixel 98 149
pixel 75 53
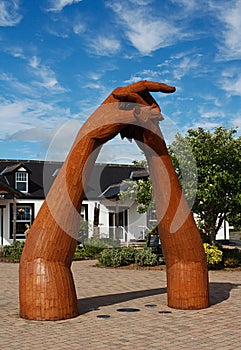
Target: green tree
pixel 140 191
pixel 208 166
pixel 218 163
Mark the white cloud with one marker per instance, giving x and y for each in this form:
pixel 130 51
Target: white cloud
pixel 204 124
pixel 59 141
pixel 79 27
pixel 9 15
pixel 34 62
pixel 185 65
pixel 188 5
pixel 32 134
pixel 141 2
pixel 58 5
pixel 46 76
pixel 211 113
pixel 15 51
pixel 110 152
pixel 17 86
pixel 146 32
pixel 146 74
pixel 229 15
pixel 103 46
pixel 231 82
pixel 19 116
pixel 133 79
pixel 236 123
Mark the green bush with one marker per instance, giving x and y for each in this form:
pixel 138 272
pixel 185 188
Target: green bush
pixel 231 262
pixel 231 257
pixel 213 255
pixel 93 247
pixel 146 257
pixel 13 251
pixel 79 253
pixel 128 255
pixel 116 257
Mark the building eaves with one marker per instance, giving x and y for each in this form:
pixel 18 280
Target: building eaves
pixel 6 189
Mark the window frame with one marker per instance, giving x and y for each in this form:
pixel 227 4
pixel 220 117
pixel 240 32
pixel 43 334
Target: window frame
pixel 21 181
pixel 19 220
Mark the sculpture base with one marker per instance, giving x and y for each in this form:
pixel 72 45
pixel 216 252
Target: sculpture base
pixel 47 291
pixel 187 286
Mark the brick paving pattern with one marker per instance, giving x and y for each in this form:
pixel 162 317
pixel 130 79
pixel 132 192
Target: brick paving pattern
pixel 102 292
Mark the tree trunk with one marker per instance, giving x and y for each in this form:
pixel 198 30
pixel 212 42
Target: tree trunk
pixel 212 234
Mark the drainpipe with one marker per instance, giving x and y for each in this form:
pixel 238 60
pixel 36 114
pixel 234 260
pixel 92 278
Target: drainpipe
pixel 14 218
pixel 1 222
pixel 117 236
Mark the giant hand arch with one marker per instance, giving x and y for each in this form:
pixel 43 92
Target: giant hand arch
pixel 47 290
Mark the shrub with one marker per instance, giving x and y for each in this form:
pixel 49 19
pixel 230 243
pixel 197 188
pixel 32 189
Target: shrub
pixel 116 257
pixel 231 257
pixel 128 255
pixel 106 256
pixel 146 257
pixel 79 253
pixel 93 247
pixel 213 255
pixel 231 262
pixel 110 242
pixel 13 251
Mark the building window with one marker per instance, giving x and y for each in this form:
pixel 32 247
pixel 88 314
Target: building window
pixel 24 219
pixel 21 181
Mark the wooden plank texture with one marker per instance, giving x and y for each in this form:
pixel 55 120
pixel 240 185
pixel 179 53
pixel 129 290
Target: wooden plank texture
pixel 46 286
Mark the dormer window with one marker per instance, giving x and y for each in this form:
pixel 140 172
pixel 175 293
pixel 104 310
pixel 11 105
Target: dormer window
pixel 21 180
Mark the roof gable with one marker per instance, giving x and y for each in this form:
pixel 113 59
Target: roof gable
pixel 43 174
pixel 5 188
pixel 15 167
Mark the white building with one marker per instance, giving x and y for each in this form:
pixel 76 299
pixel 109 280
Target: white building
pixel 24 185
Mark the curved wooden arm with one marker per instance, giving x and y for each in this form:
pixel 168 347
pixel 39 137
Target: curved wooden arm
pixel 186 265
pixel 47 290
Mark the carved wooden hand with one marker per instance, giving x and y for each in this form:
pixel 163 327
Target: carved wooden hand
pixel 46 285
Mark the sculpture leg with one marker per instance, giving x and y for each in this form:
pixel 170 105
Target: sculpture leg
pixel 47 291
pixel 46 284
pixel 187 273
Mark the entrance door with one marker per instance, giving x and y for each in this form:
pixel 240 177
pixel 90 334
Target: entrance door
pixel 118 223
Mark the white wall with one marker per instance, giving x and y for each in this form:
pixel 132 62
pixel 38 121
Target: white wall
pixel 137 222
pixel 6 223
pixel 223 233
pixel 6 216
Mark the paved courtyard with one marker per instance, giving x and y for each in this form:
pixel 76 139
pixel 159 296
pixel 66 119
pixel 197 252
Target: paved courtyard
pixel 102 292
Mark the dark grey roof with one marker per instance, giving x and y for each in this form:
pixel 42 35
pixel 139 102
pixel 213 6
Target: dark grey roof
pixel 43 173
pixel 10 168
pixel 139 174
pixel 5 188
pixel 113 190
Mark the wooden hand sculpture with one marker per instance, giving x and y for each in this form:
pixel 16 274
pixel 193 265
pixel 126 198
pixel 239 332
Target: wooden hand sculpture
pixel 46 285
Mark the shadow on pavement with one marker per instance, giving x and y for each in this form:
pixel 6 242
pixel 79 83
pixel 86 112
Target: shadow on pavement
pixel 92 303
pixel 220 291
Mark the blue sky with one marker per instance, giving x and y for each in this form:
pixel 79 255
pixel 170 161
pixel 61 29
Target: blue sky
pixel 61 58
